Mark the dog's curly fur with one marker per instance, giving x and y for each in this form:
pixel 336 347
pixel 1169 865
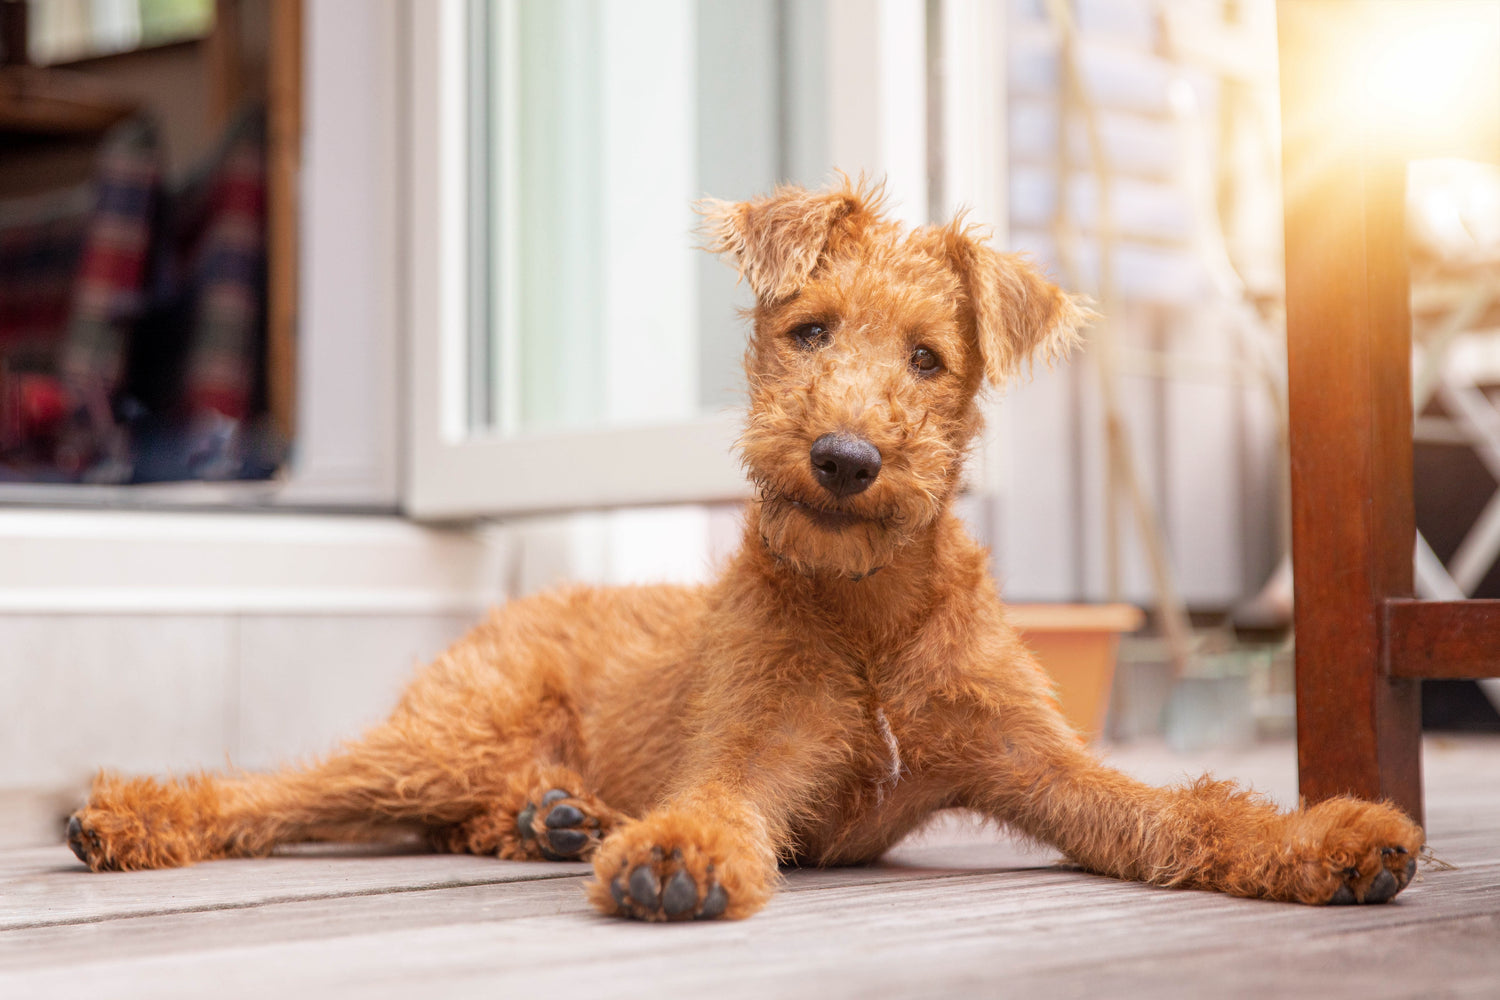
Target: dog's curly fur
pixel 804 707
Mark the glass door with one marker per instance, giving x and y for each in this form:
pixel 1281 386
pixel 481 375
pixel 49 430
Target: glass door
pixel 570 346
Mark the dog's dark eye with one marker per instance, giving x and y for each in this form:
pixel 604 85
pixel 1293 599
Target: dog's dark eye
pixel 925 361
pixel 811 336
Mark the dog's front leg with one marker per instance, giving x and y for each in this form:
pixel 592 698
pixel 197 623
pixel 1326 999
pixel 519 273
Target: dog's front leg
pixel 710 853
pixel 1038 777
pixel 711 848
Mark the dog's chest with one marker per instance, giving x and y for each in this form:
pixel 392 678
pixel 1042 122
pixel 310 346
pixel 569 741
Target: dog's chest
pixel 882 764
pixel 877 799
pixel 880 747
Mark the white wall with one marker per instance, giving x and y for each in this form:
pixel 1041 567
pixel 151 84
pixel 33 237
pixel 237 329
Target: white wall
pixel 175 641
pixel 170 692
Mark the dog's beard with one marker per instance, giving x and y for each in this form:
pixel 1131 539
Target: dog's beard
pixel 816 534
pixel 818 540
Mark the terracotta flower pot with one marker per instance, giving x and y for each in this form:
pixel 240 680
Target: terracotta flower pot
pixel 1077 644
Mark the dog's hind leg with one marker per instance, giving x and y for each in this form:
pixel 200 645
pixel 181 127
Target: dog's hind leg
pixel 546 812
pixel 467 749
pixel 369 790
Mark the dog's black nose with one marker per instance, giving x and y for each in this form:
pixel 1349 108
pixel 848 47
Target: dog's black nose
pixel 845 464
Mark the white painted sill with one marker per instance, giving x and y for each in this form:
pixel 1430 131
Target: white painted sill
pixel 158 562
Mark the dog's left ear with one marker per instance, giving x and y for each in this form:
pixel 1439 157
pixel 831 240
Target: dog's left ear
pixel 1019 316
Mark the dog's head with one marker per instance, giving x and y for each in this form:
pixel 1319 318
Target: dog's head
pixel 871 343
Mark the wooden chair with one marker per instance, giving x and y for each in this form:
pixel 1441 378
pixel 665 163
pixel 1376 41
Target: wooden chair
pixel 1363 641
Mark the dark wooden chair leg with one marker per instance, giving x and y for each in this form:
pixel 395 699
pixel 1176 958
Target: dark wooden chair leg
pixel 1348 348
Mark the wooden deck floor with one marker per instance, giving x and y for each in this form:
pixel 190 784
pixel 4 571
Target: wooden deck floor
pixel 961 912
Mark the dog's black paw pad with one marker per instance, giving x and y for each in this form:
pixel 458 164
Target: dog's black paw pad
pixel 564 845
pixel 714 903
pixel 643 894
pixel 1384 886
pixel 555 795
pixel 680 895
pixel 563 815
pixel 524 819
pixel 645 888
pixel 76 837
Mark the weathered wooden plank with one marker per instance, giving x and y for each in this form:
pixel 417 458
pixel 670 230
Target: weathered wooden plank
pixel 1121 77
pixel 1150 212
pixel 1154 275
pixel 1133 145
pixel 1446 958
pixel 44 886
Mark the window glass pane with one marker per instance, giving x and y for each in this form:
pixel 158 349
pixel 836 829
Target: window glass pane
pixel 594 127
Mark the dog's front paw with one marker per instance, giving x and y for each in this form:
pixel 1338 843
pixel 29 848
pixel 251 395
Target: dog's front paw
pixel 1353 852
pixel 670 867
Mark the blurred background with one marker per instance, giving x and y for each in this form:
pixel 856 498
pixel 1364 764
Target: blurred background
pixel 326 324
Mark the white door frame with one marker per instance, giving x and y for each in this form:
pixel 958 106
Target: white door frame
pixel 880 130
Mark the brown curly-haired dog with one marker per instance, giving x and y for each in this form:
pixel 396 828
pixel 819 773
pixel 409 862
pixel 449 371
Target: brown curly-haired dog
pixel 850 672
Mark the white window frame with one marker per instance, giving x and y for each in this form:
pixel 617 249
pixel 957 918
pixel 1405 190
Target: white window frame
pixel 976 180
pixel 877 98
pixel 324 537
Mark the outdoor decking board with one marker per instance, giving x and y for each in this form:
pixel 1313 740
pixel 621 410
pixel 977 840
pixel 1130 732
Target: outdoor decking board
pixel 50 889
pixel 963 913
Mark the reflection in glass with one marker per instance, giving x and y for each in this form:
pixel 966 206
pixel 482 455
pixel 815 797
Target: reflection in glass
pixel 63 30
pixel 594 127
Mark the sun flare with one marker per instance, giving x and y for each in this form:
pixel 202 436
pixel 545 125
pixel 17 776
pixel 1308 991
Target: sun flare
pixel 1420 75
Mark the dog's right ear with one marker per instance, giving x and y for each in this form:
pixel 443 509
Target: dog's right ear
pixel 776 241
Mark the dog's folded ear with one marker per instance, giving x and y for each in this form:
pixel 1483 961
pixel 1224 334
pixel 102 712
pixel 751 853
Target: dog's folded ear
pixel 776 241
pixel 1019 316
